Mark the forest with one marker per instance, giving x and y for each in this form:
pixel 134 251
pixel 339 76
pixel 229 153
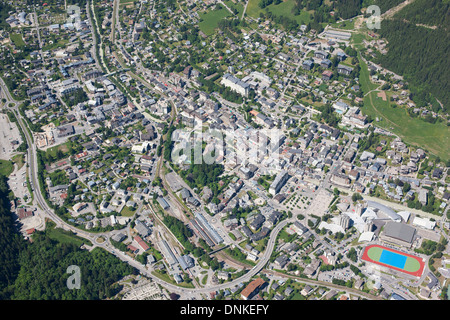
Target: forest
pixel 37 270
pixel 427 12
pixel 201 175
pixel 181 232
pixel 384 5
pixel 75 97
pixel 348 8
pixel 43 271
pixel 10 242
pixel 4 9
pixel 419 54
pixel 328 115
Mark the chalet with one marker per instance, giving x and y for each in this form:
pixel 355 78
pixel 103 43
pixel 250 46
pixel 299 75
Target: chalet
pixel 325 63
pixel 307 64
pixel 343 69
pixel 320 54
pixel 327 75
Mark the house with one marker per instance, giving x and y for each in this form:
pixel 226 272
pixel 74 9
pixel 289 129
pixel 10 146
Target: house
pixel 306 290
pixel 325 63
pixel 257 222
pixel 320 54
pixel 341 56
pixel 327 75
pixel 281 261
pixel 252 288
pixel 307 64
pixel 142 228
pixel 23 213
pixel 437 173
pixel 79 206
pixel 163 203
pixel 65 131
pixel 273 218
pixel 343 69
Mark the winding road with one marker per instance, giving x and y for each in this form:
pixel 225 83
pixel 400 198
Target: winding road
pixel 39 200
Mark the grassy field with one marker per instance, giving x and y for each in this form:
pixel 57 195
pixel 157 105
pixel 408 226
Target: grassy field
pixel 167 278
pixel 345 25
pixel 364 77
pixel 210 20
pixel 433 137
pixel 238 6
pixel 17 39
pixel 284 9
pixel 411 264
pixel 127 212
pixel 63 147
pixel 375 253
pixel 19 159
pixel 64 236
pixel 357 39
pixel 6 167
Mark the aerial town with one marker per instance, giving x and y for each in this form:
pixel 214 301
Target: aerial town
pixel 315 194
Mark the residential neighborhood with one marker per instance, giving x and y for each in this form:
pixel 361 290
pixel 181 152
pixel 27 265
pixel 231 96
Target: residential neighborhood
pixel 220 154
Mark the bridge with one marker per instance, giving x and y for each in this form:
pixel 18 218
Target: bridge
pixel 117 71
pixel 217 250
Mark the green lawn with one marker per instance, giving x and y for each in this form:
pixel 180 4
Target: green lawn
pixel 411 264
pixel 210 19
pixel 64 147
pixel 19 159
pixel 297 296
pixel 17 39
pixel 433 137
pixel 357 39
pixel 127 211
pixel 6 167
pixel 284 9
pixel 345 25
pixel 374 253
pixel 57 44
pixel 364 77
pixel 238 6
pixel 64 236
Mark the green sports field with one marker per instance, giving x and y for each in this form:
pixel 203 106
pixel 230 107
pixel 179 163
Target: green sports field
pixel 411 264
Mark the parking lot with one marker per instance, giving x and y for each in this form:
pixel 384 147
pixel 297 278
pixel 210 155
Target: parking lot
pixel 341 274
pixel 18 184
pixel 8 133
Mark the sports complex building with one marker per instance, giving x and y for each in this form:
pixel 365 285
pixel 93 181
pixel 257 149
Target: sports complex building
pixel 398 233
pixel 394 259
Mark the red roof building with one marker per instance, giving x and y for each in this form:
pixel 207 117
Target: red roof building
pixel 252 288
pixel 22 213
pixel 141 243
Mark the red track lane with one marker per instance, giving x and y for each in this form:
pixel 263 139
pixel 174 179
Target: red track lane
pixel 417 273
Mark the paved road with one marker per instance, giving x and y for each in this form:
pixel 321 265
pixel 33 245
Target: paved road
pixel 39 200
